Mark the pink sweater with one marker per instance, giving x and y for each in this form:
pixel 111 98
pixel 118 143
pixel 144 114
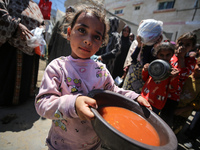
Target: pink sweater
pixel 64 79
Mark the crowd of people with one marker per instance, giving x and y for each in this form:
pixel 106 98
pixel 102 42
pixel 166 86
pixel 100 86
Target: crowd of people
pixel 78 53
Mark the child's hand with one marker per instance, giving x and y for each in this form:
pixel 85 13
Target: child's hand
pixel 146 66
pixel 174 72
pixel 82 106
pixel 141 100
pixel 181 51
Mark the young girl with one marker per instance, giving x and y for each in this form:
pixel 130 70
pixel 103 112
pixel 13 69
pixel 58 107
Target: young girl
pixel 67 80
pixel 156 92
pixel 185 64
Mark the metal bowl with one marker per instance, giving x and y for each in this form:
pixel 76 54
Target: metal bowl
pixel 159 69
pixel 116 140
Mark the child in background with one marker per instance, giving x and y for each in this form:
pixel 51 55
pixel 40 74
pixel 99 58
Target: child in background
pixel 156 92
pixel 189 98
pixel 67 81
pixel 187 129
pixel 185 64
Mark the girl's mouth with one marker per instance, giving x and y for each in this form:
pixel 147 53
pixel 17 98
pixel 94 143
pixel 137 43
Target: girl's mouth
pixel 85 49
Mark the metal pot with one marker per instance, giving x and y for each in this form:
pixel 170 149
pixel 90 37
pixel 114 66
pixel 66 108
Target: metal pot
pixel 116 140
pixel 159 69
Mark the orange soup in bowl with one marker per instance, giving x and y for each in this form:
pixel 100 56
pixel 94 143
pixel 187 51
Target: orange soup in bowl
pixel 130 124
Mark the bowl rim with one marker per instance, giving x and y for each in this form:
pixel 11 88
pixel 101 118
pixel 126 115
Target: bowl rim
pixel 115 131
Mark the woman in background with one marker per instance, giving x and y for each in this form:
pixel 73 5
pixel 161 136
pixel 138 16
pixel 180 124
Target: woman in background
pixel 125 45
pixel 19 63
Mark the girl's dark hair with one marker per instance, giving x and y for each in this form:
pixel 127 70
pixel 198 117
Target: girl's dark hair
pixel 97 12
pixel 190 36
pixel 164 46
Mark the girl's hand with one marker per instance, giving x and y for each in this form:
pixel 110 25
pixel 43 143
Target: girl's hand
pixel 24 32
pixel 174 72
pixel 82 106
pixel 146 66
pixel 181 51
pixel 141 100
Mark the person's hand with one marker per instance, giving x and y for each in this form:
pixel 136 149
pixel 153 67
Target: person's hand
pixel 174 72
pixel 146 66
pixel 82 105
pixel 180 51
pixel 139 40
pixel 158 41
pixel 126 69
pixel 142 101
pixel 100 58
pixel 24 32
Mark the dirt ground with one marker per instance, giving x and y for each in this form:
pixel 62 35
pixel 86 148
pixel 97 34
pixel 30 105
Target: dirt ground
pixel 21 128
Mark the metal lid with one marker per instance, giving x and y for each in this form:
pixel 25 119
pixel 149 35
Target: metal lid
pixel 159 69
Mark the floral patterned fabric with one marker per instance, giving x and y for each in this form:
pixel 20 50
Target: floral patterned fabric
pixel 13 12
pixel 19 67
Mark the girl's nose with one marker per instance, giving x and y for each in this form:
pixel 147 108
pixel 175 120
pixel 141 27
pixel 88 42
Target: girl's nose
pixel 88 41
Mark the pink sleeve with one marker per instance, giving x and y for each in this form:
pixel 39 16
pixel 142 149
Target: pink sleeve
pixel 49 99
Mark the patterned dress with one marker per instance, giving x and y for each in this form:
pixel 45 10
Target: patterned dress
pixel 133 80
pixel 19 64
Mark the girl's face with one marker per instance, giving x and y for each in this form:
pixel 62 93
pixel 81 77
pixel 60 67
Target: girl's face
pixel 86 36
pixel 165 54
pixel 185 44
pixel 125 32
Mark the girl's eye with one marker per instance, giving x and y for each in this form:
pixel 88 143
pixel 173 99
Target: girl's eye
pixel 82 30
pixel 97 37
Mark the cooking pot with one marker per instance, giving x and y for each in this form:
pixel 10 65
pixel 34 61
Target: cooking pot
pixel 116 140
pixel 159 69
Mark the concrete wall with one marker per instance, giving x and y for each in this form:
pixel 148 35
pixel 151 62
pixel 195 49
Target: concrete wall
pixel 182 18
